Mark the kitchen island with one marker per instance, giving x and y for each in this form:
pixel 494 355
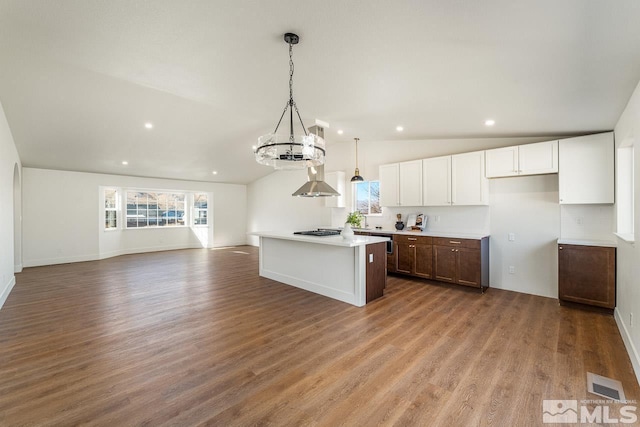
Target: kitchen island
pixel 350 270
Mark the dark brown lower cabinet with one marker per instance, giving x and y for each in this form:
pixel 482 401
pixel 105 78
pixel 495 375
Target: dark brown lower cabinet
pixel 413 255
pixel 376 259
pixel 587 275
pixel 460 261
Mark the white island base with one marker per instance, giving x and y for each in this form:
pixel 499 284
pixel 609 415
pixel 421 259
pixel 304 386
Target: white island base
pixel 329 266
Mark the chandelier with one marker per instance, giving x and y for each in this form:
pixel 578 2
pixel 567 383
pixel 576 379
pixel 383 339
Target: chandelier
pixel 290 151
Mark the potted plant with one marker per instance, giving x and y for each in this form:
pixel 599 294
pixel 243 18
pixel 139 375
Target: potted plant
pixel 355 219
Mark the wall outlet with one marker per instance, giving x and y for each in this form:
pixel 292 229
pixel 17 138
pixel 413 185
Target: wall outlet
pixel 512 269
pixel 579 220
pixel 437 218
pixel 512 237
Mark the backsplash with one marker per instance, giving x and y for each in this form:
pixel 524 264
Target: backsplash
pixel 460 219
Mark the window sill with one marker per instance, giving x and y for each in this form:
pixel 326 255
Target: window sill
pixel 627 237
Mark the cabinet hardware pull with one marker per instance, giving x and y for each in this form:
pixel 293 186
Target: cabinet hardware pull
pixel 453 250
pixel 412 246
pixel 454 242
pixel 411 238
pixel 560 248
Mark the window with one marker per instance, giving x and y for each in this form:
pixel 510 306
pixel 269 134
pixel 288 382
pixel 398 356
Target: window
pixel 625 192
pixel 150 209
pixel 199 209
pixel 110 209
pixel 367 197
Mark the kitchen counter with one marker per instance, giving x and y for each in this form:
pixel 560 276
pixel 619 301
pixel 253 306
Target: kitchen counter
pixel 581 242
pixel 451 234
pixel 349 270
pixel 323 240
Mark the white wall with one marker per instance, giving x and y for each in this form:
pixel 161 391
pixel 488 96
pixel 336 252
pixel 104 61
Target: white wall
pixel 62 217
pixel 8 161
pixel 628 254
pixel 528 207
pixel 270 205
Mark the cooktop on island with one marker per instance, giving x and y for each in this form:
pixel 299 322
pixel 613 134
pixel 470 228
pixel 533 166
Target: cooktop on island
pixel 319 232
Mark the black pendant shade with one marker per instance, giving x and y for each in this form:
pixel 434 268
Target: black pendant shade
pixel 356 176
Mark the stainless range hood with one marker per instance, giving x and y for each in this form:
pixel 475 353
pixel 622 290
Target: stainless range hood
pixel 315 186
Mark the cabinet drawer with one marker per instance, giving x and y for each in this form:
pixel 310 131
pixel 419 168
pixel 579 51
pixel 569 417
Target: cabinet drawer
pixel 404 238
pixel 462 243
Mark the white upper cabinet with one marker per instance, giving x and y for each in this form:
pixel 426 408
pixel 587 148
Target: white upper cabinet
pixel 455 180
pixel 586 169
pixel 436 181
pixel 538 158
pixel 411 183
pixel 337 181
pixel 389 185
pixel 401 184
pixel 468 183
pixel 529 159
pixel 502 162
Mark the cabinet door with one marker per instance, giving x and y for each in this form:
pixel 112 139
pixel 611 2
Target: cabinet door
pixel 469 186
pixel 586 275
pixel 337 181
pixel 436 181
pixel 424 260
pixel 586 169
pixel 468 267
pixel 538 158
pixel 389 180
pixel 444 263
pixel 405 257
pixel 411 183
pixel 501 162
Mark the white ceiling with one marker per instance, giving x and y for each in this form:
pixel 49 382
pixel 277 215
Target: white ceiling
pixel 78 79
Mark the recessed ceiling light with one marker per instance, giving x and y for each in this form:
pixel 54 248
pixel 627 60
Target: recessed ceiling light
pixel 340 131
pixel 124 162
pixel 399 128
pixel 489 122
pixel 215 172
pixel 148 125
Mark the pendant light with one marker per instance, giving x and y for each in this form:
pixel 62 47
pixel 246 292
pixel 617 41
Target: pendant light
pixel 290 151
pixel 356 177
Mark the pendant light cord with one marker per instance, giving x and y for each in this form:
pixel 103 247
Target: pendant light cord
pixel 357 139
pixel 291 103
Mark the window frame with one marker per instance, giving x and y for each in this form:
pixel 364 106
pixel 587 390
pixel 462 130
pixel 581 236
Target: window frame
pixel 196 210
pixel 116 209
pixel 157 194
pixel 354 201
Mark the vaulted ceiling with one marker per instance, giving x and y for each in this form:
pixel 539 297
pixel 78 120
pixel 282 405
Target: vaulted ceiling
pixel 79 79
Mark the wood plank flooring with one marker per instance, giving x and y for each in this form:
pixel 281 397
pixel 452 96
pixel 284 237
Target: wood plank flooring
pixel 196 337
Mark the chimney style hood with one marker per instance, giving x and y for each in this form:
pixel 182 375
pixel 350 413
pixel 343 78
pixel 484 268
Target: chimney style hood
pixel 315 186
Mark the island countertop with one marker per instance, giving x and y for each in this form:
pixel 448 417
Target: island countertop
pixel 323 240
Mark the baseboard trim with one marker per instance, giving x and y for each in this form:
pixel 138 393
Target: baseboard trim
pixel 7 290
pixel 628 343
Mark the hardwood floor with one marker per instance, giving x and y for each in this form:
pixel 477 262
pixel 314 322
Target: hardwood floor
pixel 196 337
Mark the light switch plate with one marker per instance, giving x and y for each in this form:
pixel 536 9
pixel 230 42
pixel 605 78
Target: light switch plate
pixel 370 258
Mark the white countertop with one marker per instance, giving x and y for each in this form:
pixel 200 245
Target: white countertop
pixel 580 242
pixel 323 240
pixel 451 234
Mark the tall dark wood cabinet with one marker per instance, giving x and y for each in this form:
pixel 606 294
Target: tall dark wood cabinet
pixel 587 275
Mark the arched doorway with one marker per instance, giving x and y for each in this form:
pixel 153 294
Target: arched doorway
pixel 17 221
